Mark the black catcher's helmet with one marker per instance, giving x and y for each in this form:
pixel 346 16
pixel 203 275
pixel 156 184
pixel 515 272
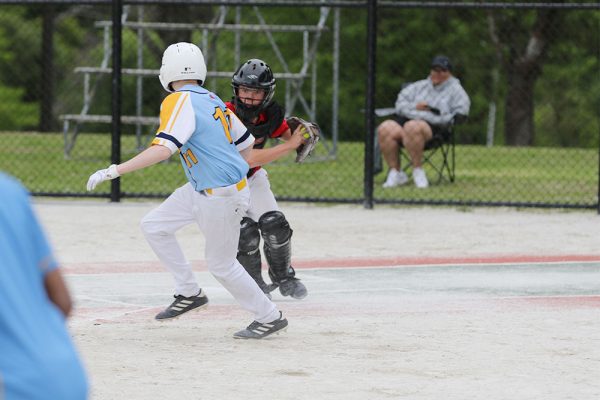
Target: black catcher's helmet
pixel 257 74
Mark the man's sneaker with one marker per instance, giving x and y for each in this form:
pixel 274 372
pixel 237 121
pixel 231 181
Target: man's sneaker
pixel 259 330
pixel 293 287
pixel 395 178
pixel 182 305
pixel 420 178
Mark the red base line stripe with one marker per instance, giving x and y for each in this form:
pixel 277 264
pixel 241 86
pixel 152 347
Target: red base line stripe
pixel 557 301
pixel 376 262
pixel 327 263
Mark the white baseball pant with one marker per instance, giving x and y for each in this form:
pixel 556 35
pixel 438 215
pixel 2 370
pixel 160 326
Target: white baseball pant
pixel 262 198
pixel 218 216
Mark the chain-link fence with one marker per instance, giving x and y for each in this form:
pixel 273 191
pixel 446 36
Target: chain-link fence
pixel 532 72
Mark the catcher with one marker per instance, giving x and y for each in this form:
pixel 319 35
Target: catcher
pixel 253 89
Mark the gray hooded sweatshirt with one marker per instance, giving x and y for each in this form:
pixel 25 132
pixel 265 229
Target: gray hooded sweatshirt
pixel 448 97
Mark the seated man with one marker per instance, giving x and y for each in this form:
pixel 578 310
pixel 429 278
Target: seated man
pixel 423 109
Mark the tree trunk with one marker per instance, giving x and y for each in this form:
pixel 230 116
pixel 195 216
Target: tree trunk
pixel 518 117
pixel 523 70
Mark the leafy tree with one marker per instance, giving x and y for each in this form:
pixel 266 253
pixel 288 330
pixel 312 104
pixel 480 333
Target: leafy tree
pixel 19 67
pixel 537 68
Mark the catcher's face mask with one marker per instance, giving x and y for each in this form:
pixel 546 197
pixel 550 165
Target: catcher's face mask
pixel 252 74
pixel 251 96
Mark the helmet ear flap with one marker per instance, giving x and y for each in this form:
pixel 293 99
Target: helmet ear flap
pixel 270 93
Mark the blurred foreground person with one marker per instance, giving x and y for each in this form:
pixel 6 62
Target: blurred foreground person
pixel 37 357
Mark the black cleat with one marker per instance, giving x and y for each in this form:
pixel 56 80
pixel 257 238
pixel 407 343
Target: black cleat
pixel 293 287
pixel 266 289
pixel 182 305
pixel 259 330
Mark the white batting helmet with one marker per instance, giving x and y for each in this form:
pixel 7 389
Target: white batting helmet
pixel 182 61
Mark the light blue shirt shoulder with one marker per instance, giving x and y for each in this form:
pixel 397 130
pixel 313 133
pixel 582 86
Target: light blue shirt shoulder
pixel 37 357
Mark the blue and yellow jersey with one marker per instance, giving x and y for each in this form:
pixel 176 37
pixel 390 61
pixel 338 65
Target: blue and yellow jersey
pixel 207 135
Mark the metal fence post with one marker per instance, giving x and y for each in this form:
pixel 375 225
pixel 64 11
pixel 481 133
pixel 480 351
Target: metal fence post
pixel 370 105
pixel 115 157
pixel 47 80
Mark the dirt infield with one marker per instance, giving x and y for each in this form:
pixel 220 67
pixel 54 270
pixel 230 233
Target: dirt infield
pixel 404 302
pixel 105 232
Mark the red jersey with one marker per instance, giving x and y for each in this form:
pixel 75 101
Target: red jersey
pixel 261 139
pixel 262 118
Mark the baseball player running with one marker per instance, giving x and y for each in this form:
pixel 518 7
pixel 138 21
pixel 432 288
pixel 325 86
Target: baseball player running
pixel 215 151
pixel 253 89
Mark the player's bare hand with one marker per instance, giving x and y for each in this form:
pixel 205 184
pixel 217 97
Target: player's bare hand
pixel 422 106
pixel 298 138
pixel 102 175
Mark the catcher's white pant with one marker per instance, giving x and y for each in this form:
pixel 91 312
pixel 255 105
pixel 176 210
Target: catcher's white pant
pixel 218 216
pixel 262 198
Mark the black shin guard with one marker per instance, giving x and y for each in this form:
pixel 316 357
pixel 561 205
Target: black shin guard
pixel 249 251
pixel 277 236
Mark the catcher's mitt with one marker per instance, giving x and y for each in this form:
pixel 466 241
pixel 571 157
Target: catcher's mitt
pixel 312 134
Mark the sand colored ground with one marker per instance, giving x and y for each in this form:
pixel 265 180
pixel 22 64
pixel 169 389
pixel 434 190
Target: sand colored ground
pixel 404 303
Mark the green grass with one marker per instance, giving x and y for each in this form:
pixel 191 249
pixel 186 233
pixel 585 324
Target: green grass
pixel 498 174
